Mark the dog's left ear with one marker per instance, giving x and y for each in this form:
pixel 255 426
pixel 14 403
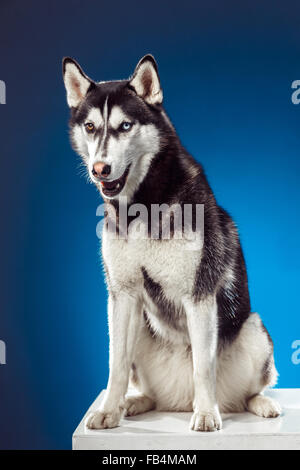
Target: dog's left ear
pixel 145 81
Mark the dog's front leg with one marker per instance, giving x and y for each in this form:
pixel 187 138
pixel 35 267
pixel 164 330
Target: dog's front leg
pixel 124 312
pixel 202 326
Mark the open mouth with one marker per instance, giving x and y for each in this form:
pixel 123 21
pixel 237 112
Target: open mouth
pixel 112 188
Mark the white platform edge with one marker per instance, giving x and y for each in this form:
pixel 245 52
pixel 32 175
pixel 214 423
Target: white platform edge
pixel 170 431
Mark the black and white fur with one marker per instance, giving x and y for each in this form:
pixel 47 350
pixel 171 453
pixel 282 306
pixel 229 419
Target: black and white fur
pixel 180 326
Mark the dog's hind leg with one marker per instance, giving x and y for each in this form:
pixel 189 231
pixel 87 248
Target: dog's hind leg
pixel 263 406
pixel 245 369
pixel 137 404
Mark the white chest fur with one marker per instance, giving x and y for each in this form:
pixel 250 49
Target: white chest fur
pixel 169 263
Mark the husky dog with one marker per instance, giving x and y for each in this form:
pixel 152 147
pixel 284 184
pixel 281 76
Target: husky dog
pixel 181 331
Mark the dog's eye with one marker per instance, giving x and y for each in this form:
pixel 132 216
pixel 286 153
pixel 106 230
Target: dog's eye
pixel 125 126
pixel 89 127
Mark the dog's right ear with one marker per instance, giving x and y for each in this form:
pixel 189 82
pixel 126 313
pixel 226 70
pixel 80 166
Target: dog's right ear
pixel 76 82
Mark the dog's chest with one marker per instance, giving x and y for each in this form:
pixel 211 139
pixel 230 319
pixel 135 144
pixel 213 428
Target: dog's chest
pixel 168 263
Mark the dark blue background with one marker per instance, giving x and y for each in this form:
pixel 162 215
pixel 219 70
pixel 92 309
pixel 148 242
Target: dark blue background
pixel 226 69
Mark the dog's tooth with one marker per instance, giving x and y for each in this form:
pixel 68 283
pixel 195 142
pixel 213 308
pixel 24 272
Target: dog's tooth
pixel 118 185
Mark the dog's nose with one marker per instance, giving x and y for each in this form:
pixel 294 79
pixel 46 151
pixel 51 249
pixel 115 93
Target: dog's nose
pixel 101 170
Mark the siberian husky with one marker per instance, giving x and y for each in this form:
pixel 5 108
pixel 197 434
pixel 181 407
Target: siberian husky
pixel 181 331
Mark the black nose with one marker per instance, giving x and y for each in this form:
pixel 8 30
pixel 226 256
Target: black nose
pixel 101 170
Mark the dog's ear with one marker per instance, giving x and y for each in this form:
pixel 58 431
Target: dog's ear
pixel 76 82
pixel 145 81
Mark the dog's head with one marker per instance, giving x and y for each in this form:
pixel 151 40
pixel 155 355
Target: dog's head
pixel 115 125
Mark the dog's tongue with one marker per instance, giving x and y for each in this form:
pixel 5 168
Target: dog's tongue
pixel 109 184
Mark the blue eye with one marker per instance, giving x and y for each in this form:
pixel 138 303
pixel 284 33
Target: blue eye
pixel 125 126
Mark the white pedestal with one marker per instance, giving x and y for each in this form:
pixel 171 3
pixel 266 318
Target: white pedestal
pixel 170 431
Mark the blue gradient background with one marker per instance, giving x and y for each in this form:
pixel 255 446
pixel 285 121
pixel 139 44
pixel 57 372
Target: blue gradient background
pixel 226 69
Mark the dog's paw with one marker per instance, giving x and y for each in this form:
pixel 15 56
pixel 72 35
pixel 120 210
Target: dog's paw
pixel 135 405
pixel 264 407
pixel 206 421
pixel 103 420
